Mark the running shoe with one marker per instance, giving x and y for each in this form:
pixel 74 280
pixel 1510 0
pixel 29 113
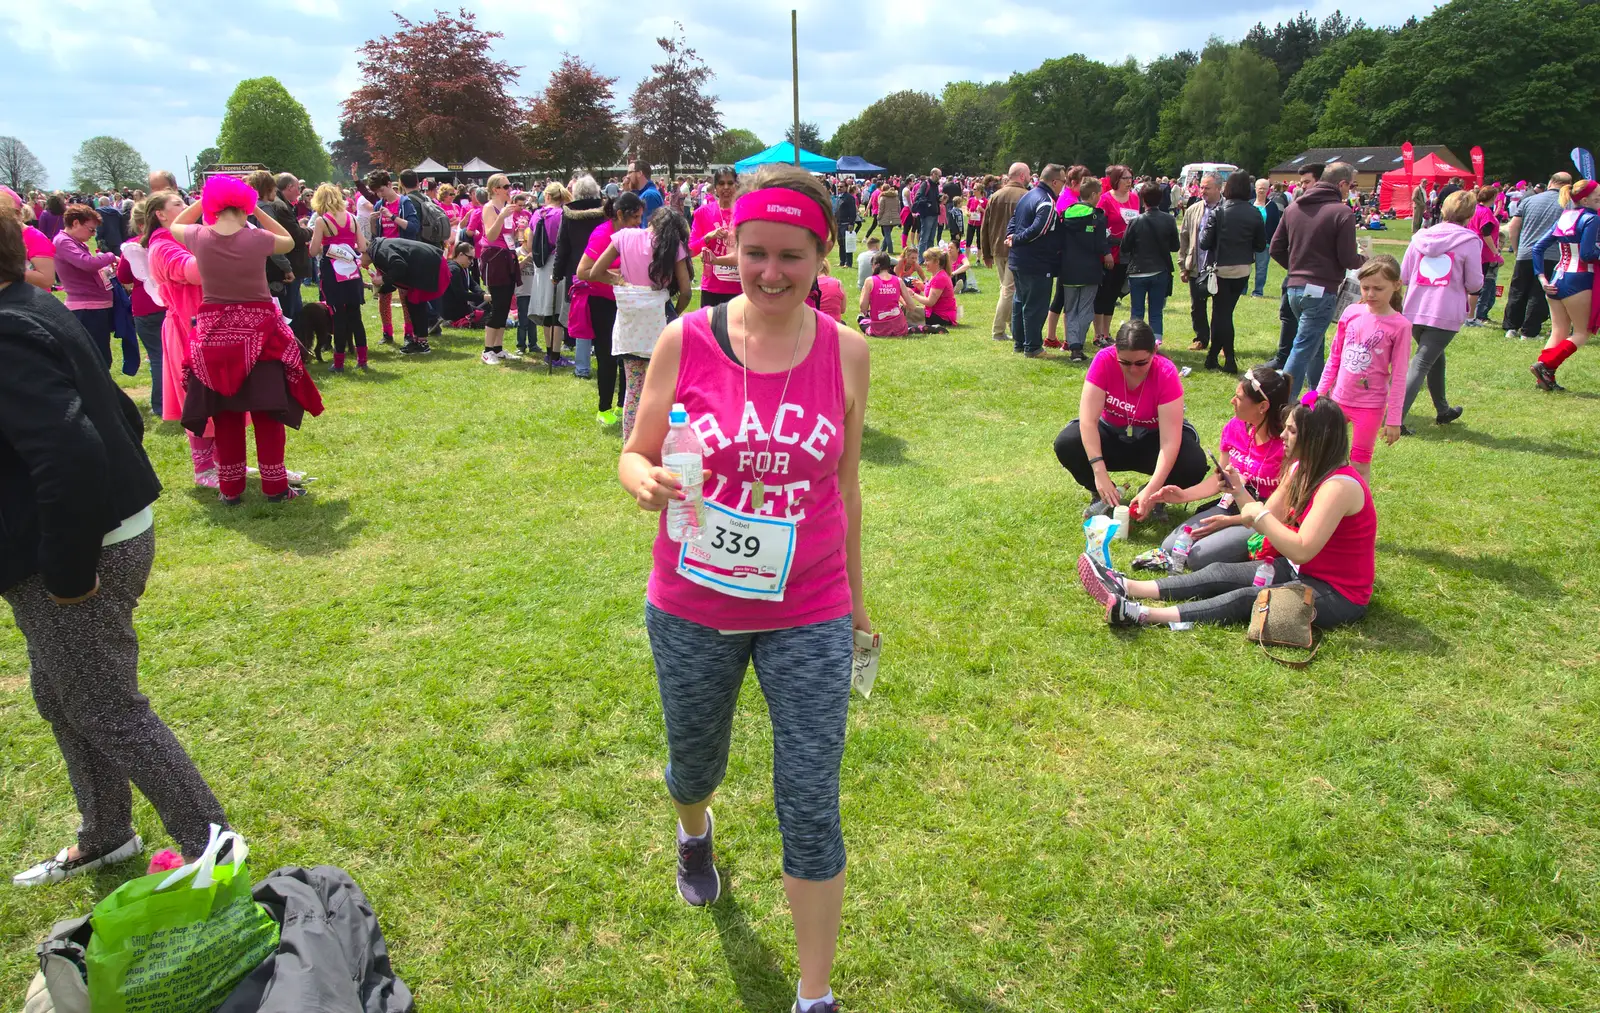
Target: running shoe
pixel 1513 333
pixel 1104 341
pixel 230 500
pixel 1102 582
pixel 388 339
pixel 1077 355
pixel 607 417
pixel 559 362
pixel 1052 342
pixel 698 882
pixel 1406 430
pixel 286 495
pixel 1097 508
pixel 59 868
pixel 336 369
pixel 504 355
pixel 1037 353
pixel 816 1007
pixel 414 348
pixel 1122 612
pixel 489 358
pixel 1002 337
pixel 1448 416
pixel 1543 376
pixel 206 479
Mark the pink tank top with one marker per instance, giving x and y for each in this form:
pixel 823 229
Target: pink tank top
pixel 338 234
pixel 1348 561
pixel 885 317
pixel 807 438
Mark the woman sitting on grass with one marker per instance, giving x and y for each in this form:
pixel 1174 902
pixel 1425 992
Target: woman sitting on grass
pixel 887 302
pixel 1320 524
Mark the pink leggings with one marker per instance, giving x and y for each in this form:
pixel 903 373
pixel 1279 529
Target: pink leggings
pixel 270 439
pixel 1364 426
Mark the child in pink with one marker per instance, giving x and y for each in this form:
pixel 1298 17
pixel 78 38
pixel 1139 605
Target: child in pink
pixel 1366 368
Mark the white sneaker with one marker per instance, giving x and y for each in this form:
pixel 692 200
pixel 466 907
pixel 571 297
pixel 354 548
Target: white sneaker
pixel 60 868
pixel 504 355
pixel 489 358
pixel 1511 334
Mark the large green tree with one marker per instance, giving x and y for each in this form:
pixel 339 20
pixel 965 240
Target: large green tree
pixel 1511 75
pixel 1347 114
pixel 264 123
pixel 1062 111
pixel 1226 111
pixel 903 132
pixel 735 144
pixel 1138 111
pixel 972 125
pixel 104 163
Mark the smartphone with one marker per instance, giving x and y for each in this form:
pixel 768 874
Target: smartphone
pixel 1214 464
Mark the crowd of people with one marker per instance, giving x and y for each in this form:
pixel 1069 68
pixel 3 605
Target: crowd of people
pixel 767 373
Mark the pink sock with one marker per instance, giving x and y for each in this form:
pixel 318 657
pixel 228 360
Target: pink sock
pixel 361 355
pixel 338 360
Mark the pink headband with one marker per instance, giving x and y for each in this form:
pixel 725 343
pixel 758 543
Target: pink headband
pixel 223 192
pixel 12 194
pixel 781 205
pixel 1583 188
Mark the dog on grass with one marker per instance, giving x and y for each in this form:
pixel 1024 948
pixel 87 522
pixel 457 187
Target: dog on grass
pixel 313 328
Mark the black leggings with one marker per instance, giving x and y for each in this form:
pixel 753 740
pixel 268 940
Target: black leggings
pixel 603 319
pixel 1222 304
pixel 500 305
pixel 1226 593
pixel 1138 454
pixel 1105 298
pixel 349 331
pixel 972 235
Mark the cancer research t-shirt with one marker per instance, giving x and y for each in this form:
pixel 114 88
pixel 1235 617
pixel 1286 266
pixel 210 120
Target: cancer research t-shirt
pixel 1259 464
pixel 1136 407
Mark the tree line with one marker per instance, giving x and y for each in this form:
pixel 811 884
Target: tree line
pixel 1504 74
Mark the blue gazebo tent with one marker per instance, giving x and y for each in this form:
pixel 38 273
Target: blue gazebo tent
pixel 855 163
pixel 783 153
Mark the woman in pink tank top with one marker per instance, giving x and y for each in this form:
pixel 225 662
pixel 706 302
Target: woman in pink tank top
pixel 777 393
pixel 885 301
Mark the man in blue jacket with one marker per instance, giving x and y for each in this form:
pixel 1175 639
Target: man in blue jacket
pixel 1034 236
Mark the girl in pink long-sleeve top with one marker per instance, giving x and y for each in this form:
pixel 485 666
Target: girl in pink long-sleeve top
pixel 1366 370
pixel 84 276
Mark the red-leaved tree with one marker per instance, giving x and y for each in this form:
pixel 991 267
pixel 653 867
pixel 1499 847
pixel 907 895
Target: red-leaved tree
pixel 432 89
pixel 573 124
pixel 674 121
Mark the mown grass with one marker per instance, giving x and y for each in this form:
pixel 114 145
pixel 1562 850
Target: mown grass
pixel 434 673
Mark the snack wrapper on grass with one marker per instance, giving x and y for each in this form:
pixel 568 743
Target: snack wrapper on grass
pixel 1097 535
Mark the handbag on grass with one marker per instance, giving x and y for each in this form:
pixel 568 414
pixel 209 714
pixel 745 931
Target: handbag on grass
pixel 1282 617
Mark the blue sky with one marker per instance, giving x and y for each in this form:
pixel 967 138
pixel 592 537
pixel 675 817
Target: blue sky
pixel 158 75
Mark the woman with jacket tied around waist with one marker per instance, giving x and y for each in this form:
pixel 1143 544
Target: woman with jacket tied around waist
pixel 76 544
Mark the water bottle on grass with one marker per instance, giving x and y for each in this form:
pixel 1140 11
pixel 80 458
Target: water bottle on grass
pixel 683 454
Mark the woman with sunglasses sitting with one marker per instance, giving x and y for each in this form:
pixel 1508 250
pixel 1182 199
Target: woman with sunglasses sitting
pixel 1252 442
pixel 1130 418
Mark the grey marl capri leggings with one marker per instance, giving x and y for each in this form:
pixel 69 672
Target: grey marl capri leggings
pixel 804 673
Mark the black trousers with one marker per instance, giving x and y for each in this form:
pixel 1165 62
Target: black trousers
pixel 608 367
pixel 1138 454
pixel 845 259
pixel 1197 311
pixel 1526 306
pixel 1288 326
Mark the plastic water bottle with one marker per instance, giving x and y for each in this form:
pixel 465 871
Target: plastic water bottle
pixel 1120 515
pixel 1264 574
pixel 683 454
pixel 1181 547
pixel 1226 502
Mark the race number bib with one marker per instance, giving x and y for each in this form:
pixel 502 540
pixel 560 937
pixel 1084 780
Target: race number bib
pixel 742 555
pixel 1128 215
pixel 726 272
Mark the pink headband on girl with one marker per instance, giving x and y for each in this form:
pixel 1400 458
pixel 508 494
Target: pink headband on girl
pixel 781 205
pixel 1583 188
pixel 223 192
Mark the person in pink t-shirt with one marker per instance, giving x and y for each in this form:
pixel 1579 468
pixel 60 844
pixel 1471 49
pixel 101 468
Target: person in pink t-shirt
pixel 1121 206
pixel 1366 368
pixel 939 298
pixel 1130 418
pixel 1252 441
pixel 777 393
pixel 711 239
pixel 887 302
pixel 39 251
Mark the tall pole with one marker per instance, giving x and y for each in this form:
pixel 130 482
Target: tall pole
pixel 794 56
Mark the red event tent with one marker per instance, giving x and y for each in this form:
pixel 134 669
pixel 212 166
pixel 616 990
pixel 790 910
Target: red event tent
pixel 1394 190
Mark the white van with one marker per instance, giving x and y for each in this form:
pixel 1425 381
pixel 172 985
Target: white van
pixel 1190 174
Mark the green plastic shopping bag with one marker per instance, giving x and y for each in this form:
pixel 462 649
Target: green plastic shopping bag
pixel 178 942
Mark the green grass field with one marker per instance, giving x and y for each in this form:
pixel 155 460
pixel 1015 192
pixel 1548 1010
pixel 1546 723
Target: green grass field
pixel 434 673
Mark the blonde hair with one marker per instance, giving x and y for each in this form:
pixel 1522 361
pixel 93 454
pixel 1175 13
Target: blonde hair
pixel 499 179
pixel 1389 268
pixel 328 199
pixel 1458 207
pixel 556 192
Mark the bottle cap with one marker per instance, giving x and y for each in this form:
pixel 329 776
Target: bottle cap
pixel 679 415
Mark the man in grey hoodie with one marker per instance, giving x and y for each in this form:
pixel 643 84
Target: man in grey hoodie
pixel 1316 243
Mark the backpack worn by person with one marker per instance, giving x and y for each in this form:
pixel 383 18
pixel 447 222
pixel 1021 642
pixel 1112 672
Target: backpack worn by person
pixel 543 247
pixel 434 226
